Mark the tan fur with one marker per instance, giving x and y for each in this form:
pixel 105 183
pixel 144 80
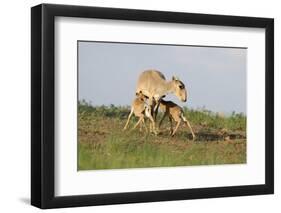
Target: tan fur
pixel 153 85
pixel 140 110
pixel 174 112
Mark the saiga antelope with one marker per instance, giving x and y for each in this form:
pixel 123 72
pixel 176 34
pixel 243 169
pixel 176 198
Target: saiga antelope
pixel 174 112
pixel 153 85
pixel 140 109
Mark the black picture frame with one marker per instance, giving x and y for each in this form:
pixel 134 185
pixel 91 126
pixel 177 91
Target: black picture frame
pixel 43 105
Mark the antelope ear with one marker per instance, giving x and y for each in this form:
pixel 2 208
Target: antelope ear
pixel 175 78
pixel 138 93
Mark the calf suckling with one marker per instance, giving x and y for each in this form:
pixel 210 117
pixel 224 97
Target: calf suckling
pixel 174 113
pixel 140 109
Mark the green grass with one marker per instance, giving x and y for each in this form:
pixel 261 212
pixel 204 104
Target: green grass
pixel 103 145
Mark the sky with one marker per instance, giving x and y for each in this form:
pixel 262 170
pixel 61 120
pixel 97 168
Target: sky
pixel 215 77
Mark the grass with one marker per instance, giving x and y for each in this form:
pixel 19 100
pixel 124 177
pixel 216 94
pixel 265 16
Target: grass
pixel 103 145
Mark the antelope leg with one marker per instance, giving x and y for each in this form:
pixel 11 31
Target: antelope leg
pixel 156 110
pixel 149 114
pixel 171 125
pixel 152 123
pixel 189 126
pixel 139 121
pixel 143 123
pixel 129 117
pixel 162 120
pixel 177 126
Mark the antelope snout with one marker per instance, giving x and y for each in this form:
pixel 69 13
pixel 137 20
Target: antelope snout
pixel 184 98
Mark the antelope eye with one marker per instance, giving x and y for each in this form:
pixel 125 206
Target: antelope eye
pixel 181 86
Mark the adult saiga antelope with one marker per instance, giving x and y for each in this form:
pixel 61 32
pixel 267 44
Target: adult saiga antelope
pixel 174 112
pixel 153 85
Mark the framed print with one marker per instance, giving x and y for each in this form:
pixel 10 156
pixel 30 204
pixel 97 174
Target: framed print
pixel 136 106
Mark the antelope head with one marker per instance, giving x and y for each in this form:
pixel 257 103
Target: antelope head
pixel 141 96
pixel 179 89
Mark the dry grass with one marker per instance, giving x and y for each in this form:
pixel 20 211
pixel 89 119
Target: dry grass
pixel 103 144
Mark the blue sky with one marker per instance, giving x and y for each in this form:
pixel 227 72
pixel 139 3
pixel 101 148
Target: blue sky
pixel 214 77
